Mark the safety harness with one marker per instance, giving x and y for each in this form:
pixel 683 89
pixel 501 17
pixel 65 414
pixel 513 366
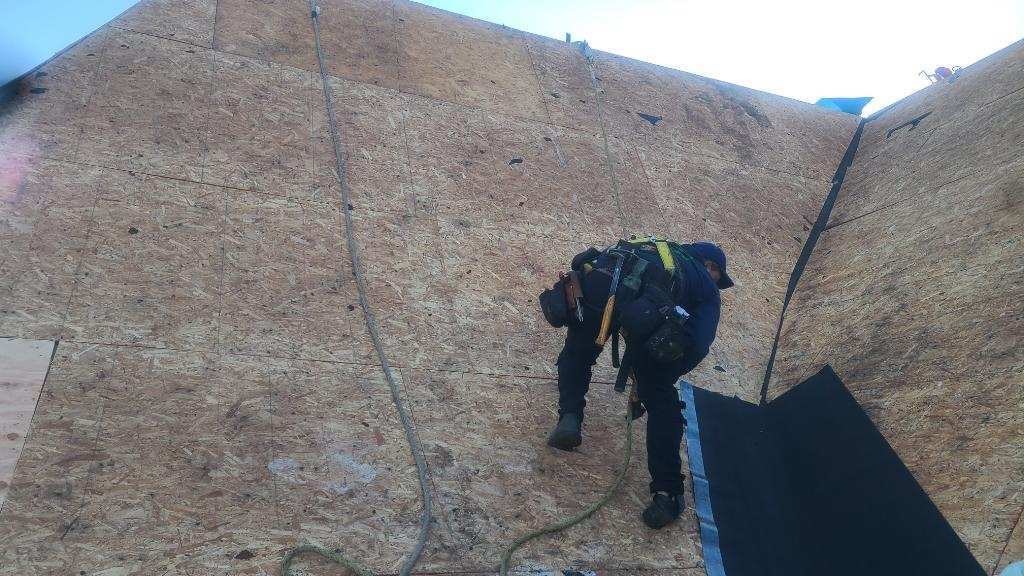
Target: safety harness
pixel 643 305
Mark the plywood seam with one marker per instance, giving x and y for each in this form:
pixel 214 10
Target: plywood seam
pixel 1002 160
pixel 398 44
pixel 903 200
pixel 890 175
pixel 78 265
pixel 222 264
pixel 151 35
pixel 998 98
pixel 91 89
pixel 147 174
pixel 496 374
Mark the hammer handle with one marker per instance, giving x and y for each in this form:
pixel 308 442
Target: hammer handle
pixel 606 321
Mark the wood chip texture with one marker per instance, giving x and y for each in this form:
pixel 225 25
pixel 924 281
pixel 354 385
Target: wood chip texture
pixel 170 211
pixel 914 296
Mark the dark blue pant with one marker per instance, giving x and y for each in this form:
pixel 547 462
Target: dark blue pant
pixel 655 388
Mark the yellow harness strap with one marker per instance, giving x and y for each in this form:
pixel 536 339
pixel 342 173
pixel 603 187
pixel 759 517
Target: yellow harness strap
pixel 663 250
pixel 666 256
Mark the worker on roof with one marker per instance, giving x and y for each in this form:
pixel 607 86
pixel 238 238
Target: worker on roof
pixel 948 74
pixel 663 298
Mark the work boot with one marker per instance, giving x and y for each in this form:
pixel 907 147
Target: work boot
pixel 664 510
pixel 568 432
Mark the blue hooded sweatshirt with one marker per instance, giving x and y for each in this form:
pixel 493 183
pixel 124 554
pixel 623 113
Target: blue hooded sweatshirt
pixel 699 295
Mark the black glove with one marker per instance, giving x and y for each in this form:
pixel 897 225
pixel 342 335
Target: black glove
pixel 583 257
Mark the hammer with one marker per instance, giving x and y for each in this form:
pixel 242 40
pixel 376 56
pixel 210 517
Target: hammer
pixel 609 307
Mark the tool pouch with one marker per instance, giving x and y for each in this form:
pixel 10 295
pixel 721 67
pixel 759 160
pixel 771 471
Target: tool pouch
pixel 669 342
pixel 642 316
pixel 560 303
pixel 554 305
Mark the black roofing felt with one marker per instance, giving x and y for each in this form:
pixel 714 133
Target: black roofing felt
pixel 806 485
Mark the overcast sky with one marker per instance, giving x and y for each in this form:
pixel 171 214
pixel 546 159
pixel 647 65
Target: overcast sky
pixel 797 48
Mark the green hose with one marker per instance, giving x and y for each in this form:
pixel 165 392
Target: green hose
pixel 336 557
pixel 586 512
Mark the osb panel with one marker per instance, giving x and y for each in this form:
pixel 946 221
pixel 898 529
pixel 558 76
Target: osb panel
pixel 144 460
pixel 358 36
pixel 1014 550
pixel 288 287
pixel 485 441
pixel 270 30
pixel 189 21
pixel 41 120
pixel 959 246
pixel 458 59
pixel 23 366
pixel 694 112
pixel 702 116
pixel 804 140
pixel 566 86
pixel 460 156
pixel 469 192
pixel 258 126
pixel 980 84
pixel 934 156
pixel 468 164
pixel 974 477
pixel 736 362
pixel 359 39
pixel 153 269
pixel 149 116
pixel 496 276
pixel 922 324
pixel 371 125
pixel 970 121
pixel 46 212
pixel 410 289
pixel 760 217
pixel 49 487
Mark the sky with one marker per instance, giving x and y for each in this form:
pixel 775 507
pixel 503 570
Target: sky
pixel 31 31
pixel 797 48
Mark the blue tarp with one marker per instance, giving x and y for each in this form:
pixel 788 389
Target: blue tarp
pixel 848 105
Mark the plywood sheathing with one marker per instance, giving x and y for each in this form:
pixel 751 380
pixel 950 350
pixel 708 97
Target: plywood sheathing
pixel 267 450
pixel 496 480
pixel 44 227
pixel 52 100
pixel 913 296
pixel 174 217
pixel 188 21
pixel 23 367
pixel 165 460
pixel 1014 549
pixel 943 146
